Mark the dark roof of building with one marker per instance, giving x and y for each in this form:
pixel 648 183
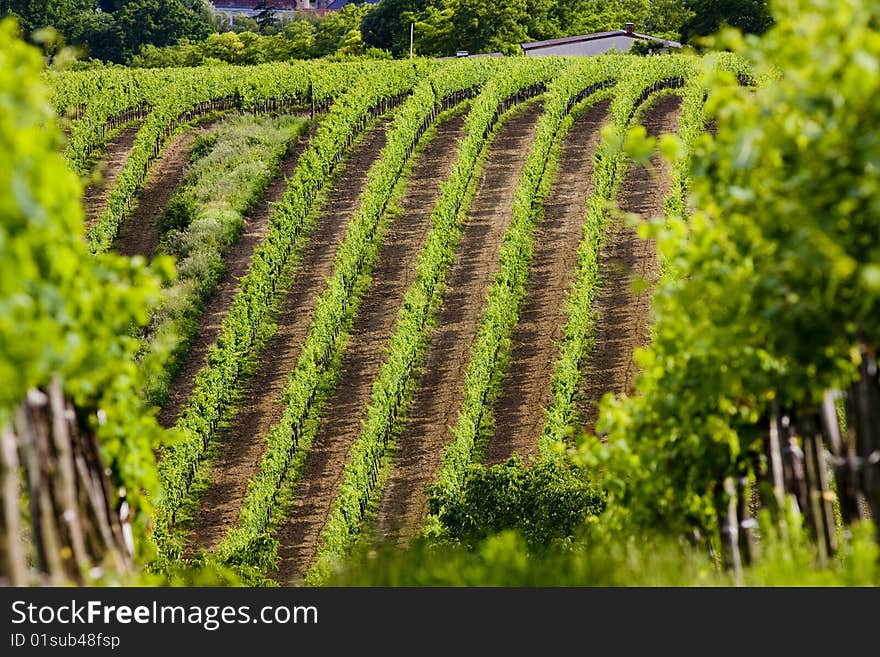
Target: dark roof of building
pixel 594 37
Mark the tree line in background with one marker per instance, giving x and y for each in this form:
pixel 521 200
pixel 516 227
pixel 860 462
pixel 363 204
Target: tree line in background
pixel 188 33
pixel 444 26
pixel 112 30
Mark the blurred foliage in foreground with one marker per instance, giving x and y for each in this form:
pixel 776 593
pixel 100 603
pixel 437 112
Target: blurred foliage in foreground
pixel 597 559
pixel 64 313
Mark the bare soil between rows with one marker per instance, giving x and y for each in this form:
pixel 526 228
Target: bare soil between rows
pixel 300 536
pixel 97 195
pixel 260 407
pixel 520 410
pixel 237 261
pixel 440 390
pixel 139 234
pixel 623 318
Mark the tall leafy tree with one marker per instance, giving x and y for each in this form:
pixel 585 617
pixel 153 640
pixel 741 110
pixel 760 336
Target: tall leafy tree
pixel 433 31
pixel 387 28
pixel 34 14
pixel 98 34
pixel 665 18
pixel 656 17
pixel 158 22
pixel 300 38
pixel 479 26
pixel 338 27
pixel 113 29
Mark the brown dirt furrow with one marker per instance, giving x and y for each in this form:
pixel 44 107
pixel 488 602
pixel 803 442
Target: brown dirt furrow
pixel 96 195
pixel 299 537
pixel 440 390
pixel 237 262
pixel 623 319
pixel 139 235
pixel 519 412
pixel 260 407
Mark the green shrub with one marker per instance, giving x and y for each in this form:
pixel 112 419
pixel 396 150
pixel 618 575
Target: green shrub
pixel 179 213
pixel 544 502
pixel 202 145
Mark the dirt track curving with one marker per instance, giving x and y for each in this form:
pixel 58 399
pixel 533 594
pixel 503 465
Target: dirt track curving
pixel 260 407
pixel 299 537
pixel 237 261
pixel 139 234
pixel 519 415
pixel 96 195
pixel 623 319
pixel 440 389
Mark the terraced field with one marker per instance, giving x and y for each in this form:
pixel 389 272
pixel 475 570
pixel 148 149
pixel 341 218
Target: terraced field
pixel 426 274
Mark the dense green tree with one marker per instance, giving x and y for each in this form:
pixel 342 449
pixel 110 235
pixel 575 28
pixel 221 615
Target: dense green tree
pixel 472 25
pixel 34 14
pixel 665 18
pixel 201 10
pixel 159 22
pixel 655 17
pixel 244 24
pixel 750 16
pixel 385 26
pixel 433 31
pixel 98 35
pixel 300 36
pixel 337 27
pixel 227 47
pixel 113 29
pixel 548 20
pixel 483 27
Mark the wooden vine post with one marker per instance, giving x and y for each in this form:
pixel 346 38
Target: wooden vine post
pixel 844 461
pixel 728 527
pixel 864 422
pixel 819 494
pixel 58 518
pixel 808 449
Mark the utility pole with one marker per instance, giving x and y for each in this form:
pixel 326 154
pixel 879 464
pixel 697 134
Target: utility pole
pixel 412 27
